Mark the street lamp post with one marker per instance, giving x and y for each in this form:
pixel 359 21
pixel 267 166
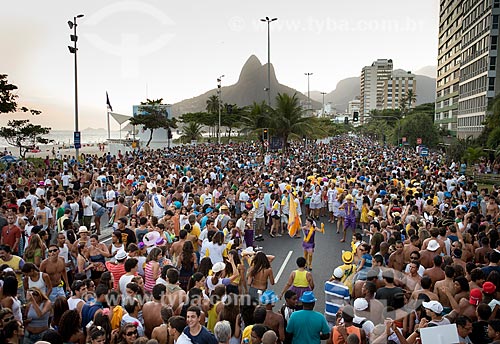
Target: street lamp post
pixel 73 50
pixel 219 102
pixel 269 21
pixel 323 112
pixel 308 91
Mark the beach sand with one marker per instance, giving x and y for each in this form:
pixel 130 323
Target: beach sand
pixel 47 150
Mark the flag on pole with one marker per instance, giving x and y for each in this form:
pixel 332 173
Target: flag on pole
pixel 107 102
pixel 293 218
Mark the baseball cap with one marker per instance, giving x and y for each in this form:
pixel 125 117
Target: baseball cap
pixel 476 296
pixel 489 288
pixel 338 273
pixel 433 306
pixel 360 304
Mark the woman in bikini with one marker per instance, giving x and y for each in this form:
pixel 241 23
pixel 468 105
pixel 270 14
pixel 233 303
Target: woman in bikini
pixel 259 273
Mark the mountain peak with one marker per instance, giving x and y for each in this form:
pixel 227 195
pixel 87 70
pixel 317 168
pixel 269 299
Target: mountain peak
pixel 250 67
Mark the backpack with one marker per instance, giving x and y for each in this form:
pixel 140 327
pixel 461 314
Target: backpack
pixel 360 325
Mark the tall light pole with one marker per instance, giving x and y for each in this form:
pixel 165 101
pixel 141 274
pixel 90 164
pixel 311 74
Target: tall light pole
pixel 323 112
pixel 219 101
pixel 73 50
pixel 308 91
pixel 269 21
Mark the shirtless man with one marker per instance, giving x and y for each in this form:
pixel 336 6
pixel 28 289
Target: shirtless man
pixel 55 267
pixel 174 295
pixel 434 236
pixel 425 283
pixel 396 259
pixel 412 278
pixel 464 306
pixel 176 248
pixel 447 283
pixel 492 209
pixel 481 252
pixel 435 273
pixel 151 309
pixel 411 247
pixel 273 320
pixel 427 255
pixel 160 333
pixel 121 210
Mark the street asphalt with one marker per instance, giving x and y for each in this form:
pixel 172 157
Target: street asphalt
pixel 327 256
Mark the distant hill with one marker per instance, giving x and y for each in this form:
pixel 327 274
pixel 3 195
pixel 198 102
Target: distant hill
pixel 249 88
pixel 347 89
pixel 429 71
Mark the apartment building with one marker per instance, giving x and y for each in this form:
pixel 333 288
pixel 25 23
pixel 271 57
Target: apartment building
pixel 448 69
pixel 467 64
pixel 397 87
pixel 373 83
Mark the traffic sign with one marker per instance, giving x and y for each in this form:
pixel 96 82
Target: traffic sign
pixel 419 140
pixel 424 151
pixel 77 139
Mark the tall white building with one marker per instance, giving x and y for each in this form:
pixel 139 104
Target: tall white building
pixel 397 87
pixel 373 80
pixel 479 64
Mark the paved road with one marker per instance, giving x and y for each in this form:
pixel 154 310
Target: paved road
pixel 327 256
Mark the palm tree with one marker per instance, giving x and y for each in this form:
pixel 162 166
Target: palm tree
pixel 411 97
pixel 288 119
pixel 255 118
pixel 473 154
pixel 402 104
pixel 213 104
pixel 191 132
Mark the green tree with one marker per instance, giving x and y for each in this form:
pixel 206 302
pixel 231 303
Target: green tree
pixel 230 117
pixel 153 117
pixel 420 125
pixel 288 120
pixel 24 135
pixel 191 132
pixel 8 99
pixel 473 154
pixel 254 118
pixel 411 98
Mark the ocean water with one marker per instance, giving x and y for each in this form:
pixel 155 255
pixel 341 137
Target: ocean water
pixel 65 137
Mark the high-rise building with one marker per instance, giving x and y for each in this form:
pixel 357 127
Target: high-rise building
pixel 478 65
pixel 397 87
pixel 467 64
pixel 448 70
pixel 373 80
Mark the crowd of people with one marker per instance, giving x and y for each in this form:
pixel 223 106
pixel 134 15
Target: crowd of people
pixel 185 264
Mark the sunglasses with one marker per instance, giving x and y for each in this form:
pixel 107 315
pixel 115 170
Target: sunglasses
pixel 52 251
pixel 133 333
pixel 413 257
pixel 6 320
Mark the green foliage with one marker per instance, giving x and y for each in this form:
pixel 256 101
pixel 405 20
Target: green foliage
pixel 473 154
pixel 213 104
pixel 254 118
pixel 153 117
pixel 428 108
pixel 24 135
pixel 420 125
pixel 8 100
pixel 494 138
pixel 288 120
pixel 191 132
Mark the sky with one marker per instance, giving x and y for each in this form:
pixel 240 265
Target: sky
pixel 176 50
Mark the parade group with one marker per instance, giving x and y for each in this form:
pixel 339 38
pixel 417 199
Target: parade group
pixel 190 256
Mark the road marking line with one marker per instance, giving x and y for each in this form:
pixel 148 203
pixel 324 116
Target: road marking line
pixel 282 268
pixel 108 239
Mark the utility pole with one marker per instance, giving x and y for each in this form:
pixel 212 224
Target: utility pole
pixel 308 91
pixel 268 89
pixel 219 101
pixel 323 112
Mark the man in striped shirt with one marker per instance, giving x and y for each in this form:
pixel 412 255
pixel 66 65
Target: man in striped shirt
pixel 336 296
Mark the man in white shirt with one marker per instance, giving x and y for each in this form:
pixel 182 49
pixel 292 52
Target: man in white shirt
pixel 87 207
pixel 65 178
pixel 110 198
